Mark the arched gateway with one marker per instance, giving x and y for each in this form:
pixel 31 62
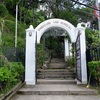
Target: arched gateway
pixel 33 35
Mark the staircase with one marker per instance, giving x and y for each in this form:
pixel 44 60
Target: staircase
pixel 57 69
pixel 57 79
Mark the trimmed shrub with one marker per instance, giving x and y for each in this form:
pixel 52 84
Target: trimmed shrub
pixel 94 70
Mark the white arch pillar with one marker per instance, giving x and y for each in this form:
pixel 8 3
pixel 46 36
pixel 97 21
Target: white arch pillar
pixel 30 62
pixel 66 48
pixel 70 49
pixel 83 54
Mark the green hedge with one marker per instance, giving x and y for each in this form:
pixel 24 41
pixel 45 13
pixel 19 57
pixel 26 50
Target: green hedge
pixel 10 73
pixel 94 70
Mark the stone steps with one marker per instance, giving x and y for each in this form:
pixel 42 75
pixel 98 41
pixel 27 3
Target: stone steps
pixel 56 80
pixel 56 97
pixel 55 73
pixel 55 70
pixel 57 65
pixel 57 60
pixel 44 81
pixel 56 89
pixel 54 76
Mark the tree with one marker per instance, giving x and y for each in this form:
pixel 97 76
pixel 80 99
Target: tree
pixel 92 38
pixel 3 10
pixel 69 16
pixel 77 8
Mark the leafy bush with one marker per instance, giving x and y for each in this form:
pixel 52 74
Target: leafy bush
pixel 5 74
pixel 6 77
pixel 70 62
pixel 10 75
pixel 94 70
pixel 92 38
pixel 17 69
pixel 7 80
pixel 40 54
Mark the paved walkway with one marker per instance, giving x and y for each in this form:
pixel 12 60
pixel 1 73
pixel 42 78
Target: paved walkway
pixel 56 89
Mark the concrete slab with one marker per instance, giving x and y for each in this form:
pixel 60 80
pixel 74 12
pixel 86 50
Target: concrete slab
pixel 55 97
pixel 58 89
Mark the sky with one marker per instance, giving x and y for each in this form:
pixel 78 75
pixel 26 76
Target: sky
pixel 99 1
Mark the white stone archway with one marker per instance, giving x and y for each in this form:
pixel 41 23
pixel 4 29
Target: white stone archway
pixel 44 26
pixel 33 35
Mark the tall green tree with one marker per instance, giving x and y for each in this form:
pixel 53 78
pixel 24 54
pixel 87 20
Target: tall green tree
pixel 92 38
pixel 3 10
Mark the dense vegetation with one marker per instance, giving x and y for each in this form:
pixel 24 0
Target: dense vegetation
pixel 10 74
pixel 29 12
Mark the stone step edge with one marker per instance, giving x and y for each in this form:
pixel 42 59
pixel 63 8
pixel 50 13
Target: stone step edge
pixel 55 73
pixel 50 73
pixel 54 70
pixel 58 76
pixel 43 80
pixel 70 82
pixel 57 92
